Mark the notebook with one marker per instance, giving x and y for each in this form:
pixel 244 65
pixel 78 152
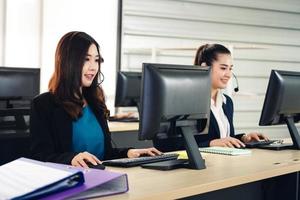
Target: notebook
pixel 217 150
pixel 30 179
pixel 225 151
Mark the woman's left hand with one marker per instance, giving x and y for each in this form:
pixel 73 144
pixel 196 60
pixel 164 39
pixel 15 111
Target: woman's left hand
pixel 254 137
pixel 134 153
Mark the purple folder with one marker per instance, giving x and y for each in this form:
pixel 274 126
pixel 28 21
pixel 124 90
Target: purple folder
pixel 97 183
pixel 16 173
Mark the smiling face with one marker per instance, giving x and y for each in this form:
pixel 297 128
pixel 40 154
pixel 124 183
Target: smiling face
pixel 90 67
pixel 221 71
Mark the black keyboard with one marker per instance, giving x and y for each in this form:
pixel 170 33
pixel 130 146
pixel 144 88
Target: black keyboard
pixel 131 162
pixel 255 144
pixel 128 119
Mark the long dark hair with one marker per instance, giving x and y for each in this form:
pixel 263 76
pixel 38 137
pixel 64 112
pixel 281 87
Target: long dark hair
pixel 208 53
pixel 66 80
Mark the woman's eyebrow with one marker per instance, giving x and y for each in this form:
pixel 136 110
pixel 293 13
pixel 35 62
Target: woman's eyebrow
pixel 92 55
pixel 225 65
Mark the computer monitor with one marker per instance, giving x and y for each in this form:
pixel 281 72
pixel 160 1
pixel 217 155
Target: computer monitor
pixel 178 95
pixel 18 86
pixel 282 102
pixel 19 83
pixel 128 89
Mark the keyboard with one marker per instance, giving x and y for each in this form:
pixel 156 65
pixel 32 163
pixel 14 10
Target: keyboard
pixel 255 144
pixel 131 162
pixel 128 119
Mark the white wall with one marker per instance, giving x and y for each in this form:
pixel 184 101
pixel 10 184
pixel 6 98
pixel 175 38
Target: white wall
pixel 2 27
pixel 264 35
pixel 22 33
pixel 31 29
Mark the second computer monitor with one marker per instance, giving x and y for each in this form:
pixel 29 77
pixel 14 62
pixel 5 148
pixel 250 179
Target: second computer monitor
pixel 19 83
pixel 282 102
pixel 18 86
pixel 128 89
pixel 179 95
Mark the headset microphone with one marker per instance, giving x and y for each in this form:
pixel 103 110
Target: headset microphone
pixel 100 78
pixel 236 89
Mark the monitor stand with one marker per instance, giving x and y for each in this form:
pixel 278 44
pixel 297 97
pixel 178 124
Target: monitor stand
pixel 277 146
pixel 167 165
pixel 194 161
pixel 293 132
pixel 294 136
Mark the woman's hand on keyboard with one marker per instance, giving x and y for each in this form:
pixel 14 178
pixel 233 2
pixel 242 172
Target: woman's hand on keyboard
pixel 227 142
pixel 134 153
pixel 254 137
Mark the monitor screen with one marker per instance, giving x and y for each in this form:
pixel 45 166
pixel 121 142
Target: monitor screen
pixel 128 89
pixel 179 95
pixel 19 83
pixel 282 102
pixel 18 86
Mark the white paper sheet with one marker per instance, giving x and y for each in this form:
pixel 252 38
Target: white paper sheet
pixel 21 177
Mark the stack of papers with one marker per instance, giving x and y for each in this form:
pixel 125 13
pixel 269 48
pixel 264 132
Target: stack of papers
pixel 29 179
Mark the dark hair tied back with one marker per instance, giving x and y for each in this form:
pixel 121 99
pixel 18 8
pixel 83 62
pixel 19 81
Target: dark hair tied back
pixel 208 53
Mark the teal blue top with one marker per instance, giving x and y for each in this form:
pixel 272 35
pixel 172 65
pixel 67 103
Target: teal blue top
pixel 88 134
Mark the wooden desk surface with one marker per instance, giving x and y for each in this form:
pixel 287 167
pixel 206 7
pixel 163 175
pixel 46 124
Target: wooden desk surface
pixel 222 172
pixel 123 126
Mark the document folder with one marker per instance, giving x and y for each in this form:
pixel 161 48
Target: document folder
pixel 29 179
pixel 98 183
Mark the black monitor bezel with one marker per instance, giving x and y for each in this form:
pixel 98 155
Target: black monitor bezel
pixel 273 112
pixel 19 70
pixel 163 120
pixel 18 104
pixel 121 98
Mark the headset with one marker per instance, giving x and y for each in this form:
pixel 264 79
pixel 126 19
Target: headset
pixel 100 78
pixel 236 89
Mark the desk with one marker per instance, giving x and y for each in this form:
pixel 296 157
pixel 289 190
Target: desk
pixel 123 126
pixel 125 134
pixel 221 172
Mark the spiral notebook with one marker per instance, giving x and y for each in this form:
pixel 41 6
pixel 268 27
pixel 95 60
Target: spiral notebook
pixel 225 151
pixel 217 150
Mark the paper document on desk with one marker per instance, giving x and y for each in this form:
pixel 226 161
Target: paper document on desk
pixel 29 179
pixel 217 150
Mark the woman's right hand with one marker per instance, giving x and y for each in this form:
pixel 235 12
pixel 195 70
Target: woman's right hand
pixel 227 142
pixel 81 160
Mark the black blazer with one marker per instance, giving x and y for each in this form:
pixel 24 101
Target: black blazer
pixel 214 131
pixel 172 144
pixel 51 131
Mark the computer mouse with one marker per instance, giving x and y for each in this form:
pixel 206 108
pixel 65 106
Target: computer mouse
pixel 98 166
